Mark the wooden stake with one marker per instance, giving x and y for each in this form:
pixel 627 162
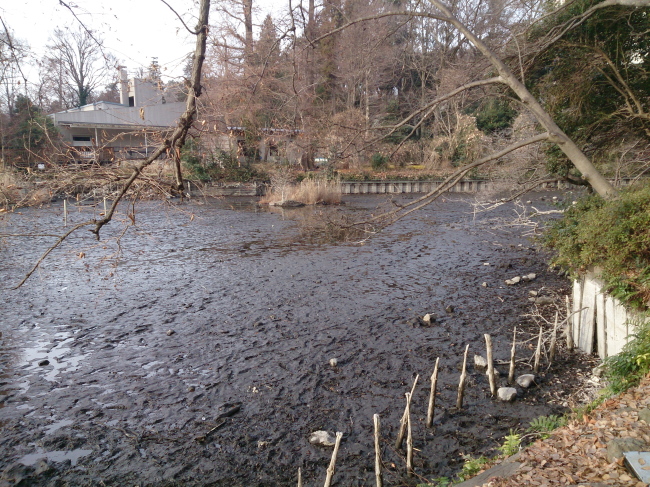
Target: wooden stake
pixel 299 477
pixel 330 469
pixel 553 350
pixel 461 385
pixel 402 424
pixel 513 350
pixel 378 475
pixel 568 330
pixel 538 352
pixel 490 365
pixel 105 206
pixel 65 213
pixel 432 395
pixel 409 438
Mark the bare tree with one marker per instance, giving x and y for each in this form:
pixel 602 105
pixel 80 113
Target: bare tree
pixel 75 66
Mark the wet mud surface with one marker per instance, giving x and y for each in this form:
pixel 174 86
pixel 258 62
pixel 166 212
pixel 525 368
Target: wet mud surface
pixel 197 350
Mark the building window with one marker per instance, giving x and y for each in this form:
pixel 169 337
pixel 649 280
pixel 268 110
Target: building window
pixel 80 138
pixel 131 101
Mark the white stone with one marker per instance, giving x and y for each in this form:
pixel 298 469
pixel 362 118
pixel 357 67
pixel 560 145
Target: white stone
pixel 529 277
pixel 322 438
pixel 526 380
pixel 480 362
pixel 513 281
pixel 485 284
pixel 334 362
pixel 427 318
pixel 507 394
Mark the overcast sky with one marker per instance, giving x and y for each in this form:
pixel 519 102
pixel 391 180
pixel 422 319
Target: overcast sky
pixel 134 30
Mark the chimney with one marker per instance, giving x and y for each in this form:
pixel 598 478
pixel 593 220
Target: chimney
pixel 124 86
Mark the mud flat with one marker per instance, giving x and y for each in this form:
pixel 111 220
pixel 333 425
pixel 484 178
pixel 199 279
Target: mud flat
pixel 197 350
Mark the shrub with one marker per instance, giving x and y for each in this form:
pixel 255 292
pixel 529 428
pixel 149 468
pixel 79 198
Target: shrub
pixel 611 235
pixel 632 364
pixel 378 161
pixel 495 115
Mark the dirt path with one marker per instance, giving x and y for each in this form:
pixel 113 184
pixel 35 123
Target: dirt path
pixel 217 307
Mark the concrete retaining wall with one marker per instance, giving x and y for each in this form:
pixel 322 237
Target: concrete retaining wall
pixel 600 322
pixel 382 187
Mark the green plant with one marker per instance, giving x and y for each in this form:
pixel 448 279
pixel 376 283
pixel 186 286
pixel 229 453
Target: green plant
pixel 612 235
pixel 633 362
pixel 511 444
pixel 472 466
pixel 545 424
pixel 494 115
pixel 378 161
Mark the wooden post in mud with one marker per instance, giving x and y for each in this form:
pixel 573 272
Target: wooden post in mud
pixel 299 477
pixel 432 395
pixel 553 350
pixel 402 424
pixel 513 350
pixel 65 213
pixel 490 365
pixel 461 385
pixel 538 352
pixel 105 206
pixel 568 330
pixel 330 469
pixel 409 438
pixel 378 474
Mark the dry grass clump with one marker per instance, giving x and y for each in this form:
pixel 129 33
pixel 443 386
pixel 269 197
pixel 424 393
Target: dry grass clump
pixel 308 192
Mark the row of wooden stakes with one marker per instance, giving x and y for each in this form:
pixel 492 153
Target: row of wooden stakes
pixel 405 423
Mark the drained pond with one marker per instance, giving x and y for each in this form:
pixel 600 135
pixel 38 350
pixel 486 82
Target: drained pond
pixel 206 343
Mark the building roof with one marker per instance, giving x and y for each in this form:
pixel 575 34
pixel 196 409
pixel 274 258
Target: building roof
pixel 106 115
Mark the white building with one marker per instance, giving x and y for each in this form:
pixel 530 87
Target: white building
pixel 105 131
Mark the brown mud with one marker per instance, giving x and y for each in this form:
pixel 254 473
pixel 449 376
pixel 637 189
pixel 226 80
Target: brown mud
pixel 196 350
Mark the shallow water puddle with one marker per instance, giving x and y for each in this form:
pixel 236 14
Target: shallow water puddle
pixel 60 357
pixel 55 456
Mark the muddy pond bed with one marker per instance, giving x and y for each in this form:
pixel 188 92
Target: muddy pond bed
pixel 196 349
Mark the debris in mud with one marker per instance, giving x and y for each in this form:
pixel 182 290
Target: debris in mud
pixel 322 438
pixel 170 332
pixel 513 281
pixel 333 362
pixel 43 363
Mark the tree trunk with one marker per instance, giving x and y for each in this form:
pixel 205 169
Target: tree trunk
pixel 570 149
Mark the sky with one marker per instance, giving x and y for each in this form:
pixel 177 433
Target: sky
pixel 134 30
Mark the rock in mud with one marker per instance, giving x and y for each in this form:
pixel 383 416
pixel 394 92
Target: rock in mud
pixel 449 309
pixel 529 277
pixel 170 332
pixel 526 380
pixel 485 284
pixel 334 362
pixel 429 318
pixel 542 300
pixel 480 363
pixel 507 394
pixel 322 438
pixel 43 363
pixel 513 281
